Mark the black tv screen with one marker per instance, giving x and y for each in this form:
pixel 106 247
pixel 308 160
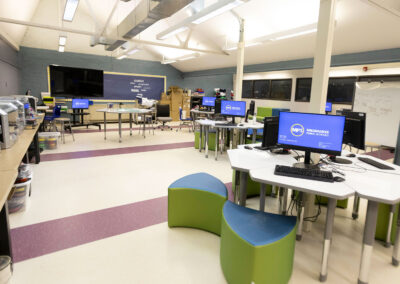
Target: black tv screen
pixel 75 82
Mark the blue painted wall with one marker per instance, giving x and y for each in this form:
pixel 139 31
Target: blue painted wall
pixel 9 70
pixel 34 64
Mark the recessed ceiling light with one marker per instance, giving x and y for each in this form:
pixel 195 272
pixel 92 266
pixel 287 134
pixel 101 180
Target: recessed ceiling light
pixel 70 9
pixel 61 48
pixel 63 40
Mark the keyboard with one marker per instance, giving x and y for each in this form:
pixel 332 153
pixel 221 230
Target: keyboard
pixel 375 163
pixel 311 174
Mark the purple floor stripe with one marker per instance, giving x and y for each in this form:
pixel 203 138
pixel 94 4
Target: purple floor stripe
pixel 47 237
pixel 116 129
pixel 382 154
pixel 114 151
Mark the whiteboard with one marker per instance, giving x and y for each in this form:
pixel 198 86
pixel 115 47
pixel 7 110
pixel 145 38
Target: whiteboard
pixel 381 102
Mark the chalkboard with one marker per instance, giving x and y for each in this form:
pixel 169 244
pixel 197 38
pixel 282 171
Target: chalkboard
pixel 120 86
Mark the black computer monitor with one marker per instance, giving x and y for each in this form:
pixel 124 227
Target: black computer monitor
pixel 354 129
pixel 328 107
pixel 270 133
pixel 233 108
pixel 80 103
pixel 251 109
pixel 208 101
pixel 318 133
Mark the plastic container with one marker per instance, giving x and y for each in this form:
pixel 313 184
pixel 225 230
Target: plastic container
pixel 48 140
pixel 17 201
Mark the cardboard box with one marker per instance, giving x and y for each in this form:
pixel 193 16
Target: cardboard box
pixel 165 97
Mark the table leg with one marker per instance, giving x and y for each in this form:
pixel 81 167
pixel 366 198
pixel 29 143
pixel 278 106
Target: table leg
pixel 237 189
pixel 105 123
pixel 300 217
pixel 231 138
pixel 243 188
pixel 368 242
pixel 216 143
pixel 330 214
pixel 396 249
pixel 5 239
pixel 130 124
pixel 37 149
pixel 263 189
pixel 221 146
pixel 201 138
pixel 282 200
pixel 144 125
pixel 206 129
pixel 254 135
pixel 389 228
pixel 356 206
pixel 120 127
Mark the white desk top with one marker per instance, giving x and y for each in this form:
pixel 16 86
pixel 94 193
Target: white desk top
pixel 201 111
pixel 124 110
pixel 242 125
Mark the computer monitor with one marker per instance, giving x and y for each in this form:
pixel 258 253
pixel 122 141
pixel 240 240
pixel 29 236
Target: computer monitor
pixel 233 108
pixel 328 107
pixel 318 133
pixel 270 133
pixel 250 111
pixel 354 129
pixel 80 103
pixel 209 101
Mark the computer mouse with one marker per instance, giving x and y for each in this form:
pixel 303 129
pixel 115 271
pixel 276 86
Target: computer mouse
pixel 351 155
pixel 241 124
pixel 248 147
pixel 338 179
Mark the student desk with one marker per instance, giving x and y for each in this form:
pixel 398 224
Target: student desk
pixel 120 111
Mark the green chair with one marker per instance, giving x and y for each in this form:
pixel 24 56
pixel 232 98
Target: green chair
pixel 261 113
pixel 196 201
pixel 256 247
pixel 211 140
pixel 253 187
pixel 324 201
pixel 383 223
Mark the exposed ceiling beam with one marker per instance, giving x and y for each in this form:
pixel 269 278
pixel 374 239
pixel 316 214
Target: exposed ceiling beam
pixel 381 5
pixel 109 18
pixel 88 33
pixel 93 16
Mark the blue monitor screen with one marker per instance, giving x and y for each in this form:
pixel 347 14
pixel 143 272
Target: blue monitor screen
pixel 27 105
pixel 209 101
pixel 328 107
pixel 315 132
pixel 233 108
pixel 80 103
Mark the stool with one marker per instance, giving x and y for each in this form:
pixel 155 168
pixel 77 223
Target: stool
pixel 256 247
pixel 386 225
pixel 211 140
pixel 62 121
pixel 253 187
pixel 196 201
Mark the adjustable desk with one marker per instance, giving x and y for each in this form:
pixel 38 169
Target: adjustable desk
pixel 130 111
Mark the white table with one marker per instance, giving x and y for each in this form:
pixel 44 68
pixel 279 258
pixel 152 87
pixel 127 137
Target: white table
pixel 120 111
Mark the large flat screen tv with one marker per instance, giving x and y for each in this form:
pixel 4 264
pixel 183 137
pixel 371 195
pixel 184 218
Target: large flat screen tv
pixel 71 82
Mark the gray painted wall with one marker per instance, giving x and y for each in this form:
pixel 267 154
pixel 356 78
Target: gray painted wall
pixel 209 83
pixel 9 70
pixel 34 64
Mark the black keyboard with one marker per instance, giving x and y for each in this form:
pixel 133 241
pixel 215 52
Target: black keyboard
pixel 375 163
pixel 312 174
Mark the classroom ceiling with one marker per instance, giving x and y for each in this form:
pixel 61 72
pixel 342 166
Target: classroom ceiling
pixel 361 25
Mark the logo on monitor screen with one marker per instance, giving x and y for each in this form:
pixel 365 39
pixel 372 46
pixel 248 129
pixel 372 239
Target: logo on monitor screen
pixel 297 129
pixel 228 107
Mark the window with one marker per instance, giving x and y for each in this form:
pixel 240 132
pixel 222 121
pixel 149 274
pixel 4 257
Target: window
pixel 281 90
pixel 341 90
pixel 247 89
pixel 261 89
pixel 303 90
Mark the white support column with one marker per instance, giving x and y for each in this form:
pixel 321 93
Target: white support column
pixel 320 78
pixel 240 63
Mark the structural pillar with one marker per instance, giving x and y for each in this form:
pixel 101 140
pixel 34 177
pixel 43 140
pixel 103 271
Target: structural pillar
pixel 240 62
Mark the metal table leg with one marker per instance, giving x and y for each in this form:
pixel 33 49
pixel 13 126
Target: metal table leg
pixel 300 217
pixel 130 124
pixel 254 135
pixel 105 123
pixel 231 138
pixel 356 206
pixel 396 249
pixel 206 129
pixel 389 228
pixel 120 127
pixel 236 185
pixel 216 143
pixel 283 200
pixel 243 188
pixel 263 189
pixel 200 138
pixel 144 125
pixel 327 239
pixel 221 146
pixel 368 242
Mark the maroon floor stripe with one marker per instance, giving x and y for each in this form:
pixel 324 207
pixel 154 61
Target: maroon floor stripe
pixel 116 129
pixel 55 235
pixel 114 151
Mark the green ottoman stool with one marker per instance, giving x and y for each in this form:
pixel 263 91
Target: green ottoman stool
pixel 253 187
pixel 382 224
pixel 324 201
pixel 256 247
pixel 211 140
pixel 196 201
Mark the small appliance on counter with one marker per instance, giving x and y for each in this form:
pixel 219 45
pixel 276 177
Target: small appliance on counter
pixel 21 111
pixel 9 123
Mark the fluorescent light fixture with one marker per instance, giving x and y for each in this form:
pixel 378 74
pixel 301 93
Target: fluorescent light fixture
pixel 168 61
pixel 215 10
pixel 61 48
pixel 62 41
pixel 295 34
pixel 170 32
pixel 122 56
pixel 132 51
pixel 70 9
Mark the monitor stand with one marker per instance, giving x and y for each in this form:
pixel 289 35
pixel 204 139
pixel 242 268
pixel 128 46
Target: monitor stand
pixel 307 162
pixel 337 160
pixel 280 151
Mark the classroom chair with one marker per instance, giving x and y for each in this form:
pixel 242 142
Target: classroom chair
pixel 185 121
pixel 163 116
